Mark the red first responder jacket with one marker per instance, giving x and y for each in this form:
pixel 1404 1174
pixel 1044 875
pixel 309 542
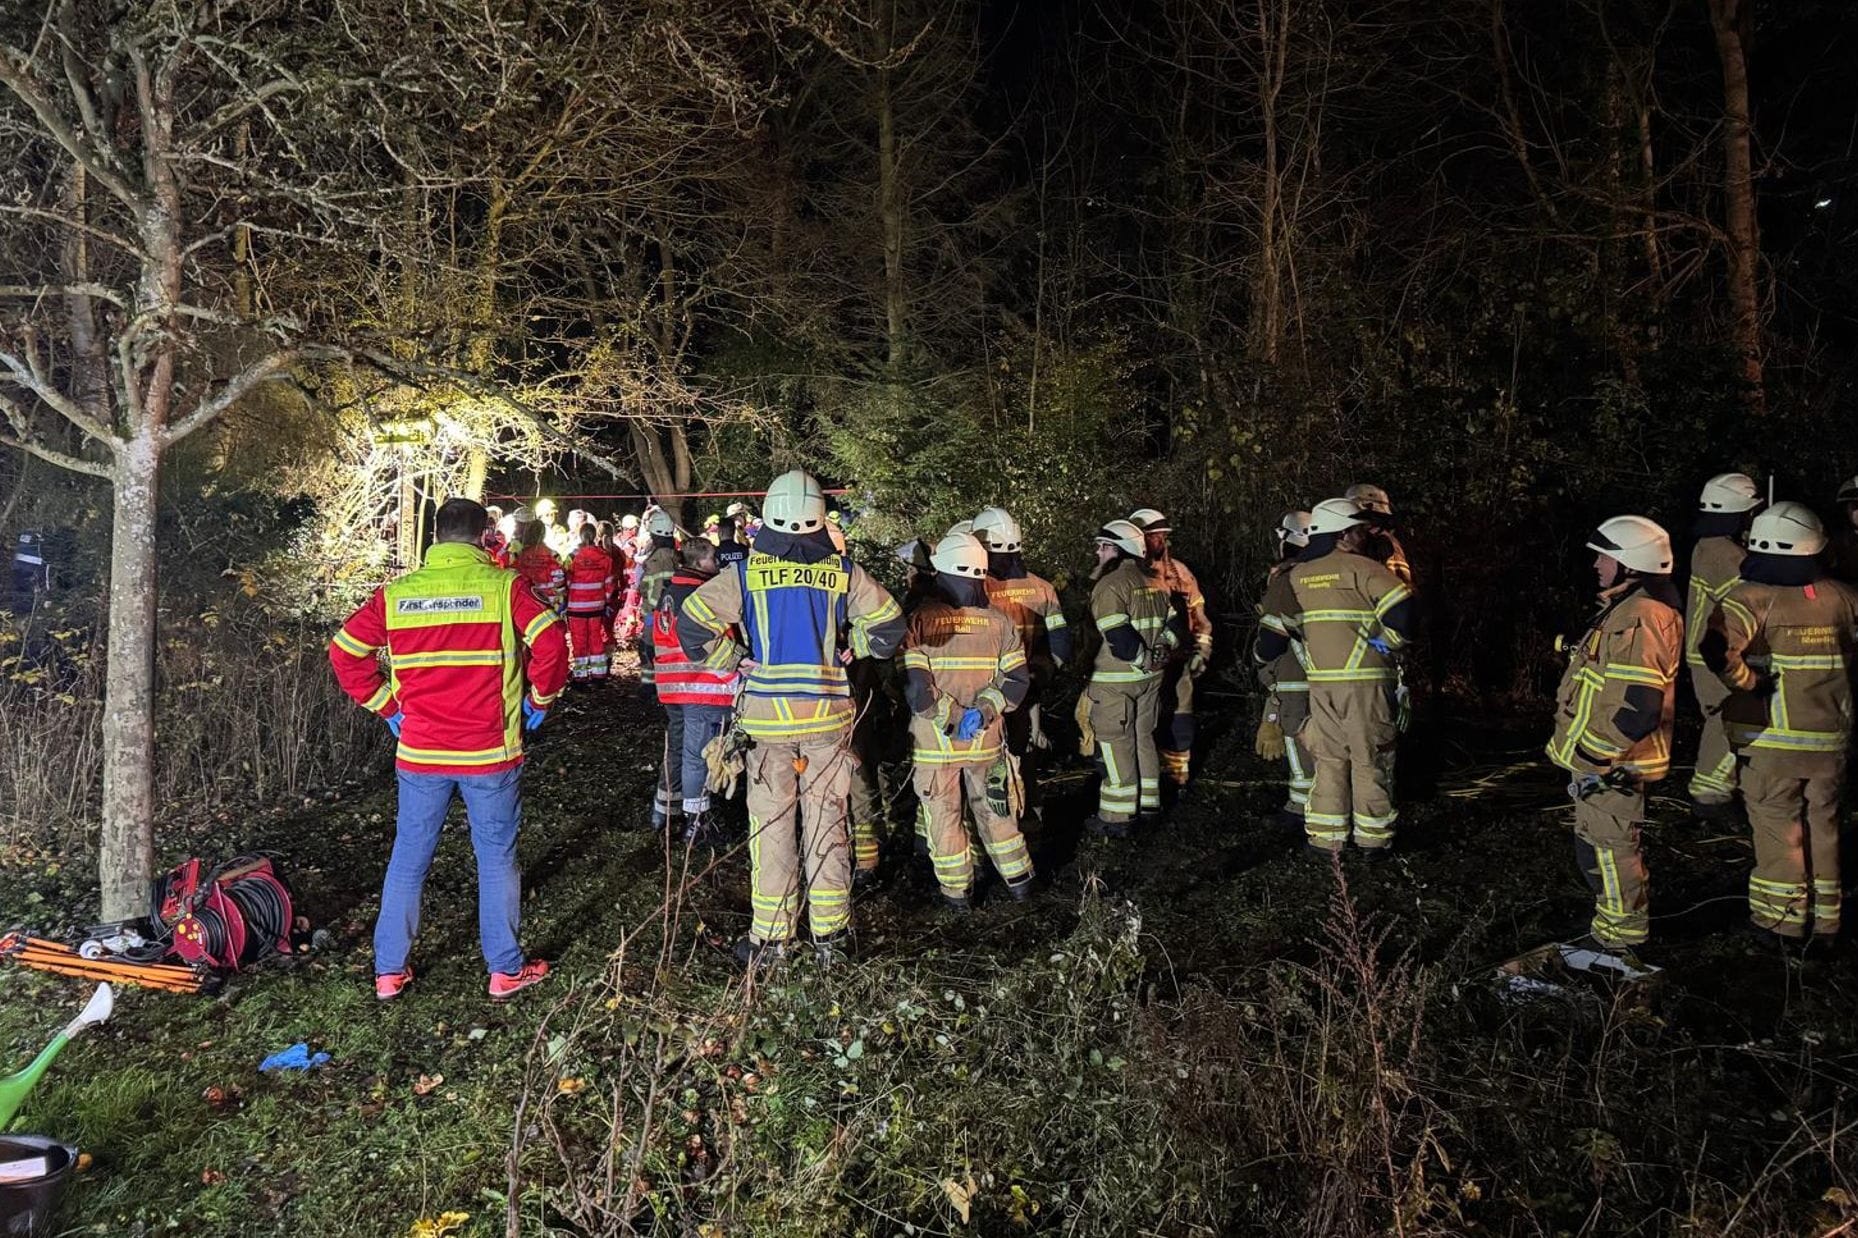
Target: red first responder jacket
pixel 538 565
pixel 590 582
pixel 454 634
pixel 679 680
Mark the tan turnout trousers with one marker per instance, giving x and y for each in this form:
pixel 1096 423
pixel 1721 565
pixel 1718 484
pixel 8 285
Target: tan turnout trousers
pixel 1351 736
pixel 1793 807
pixel 942 788
pixel 1714 779
pixel 1123 714
pixel 1606 843
pixel 781 847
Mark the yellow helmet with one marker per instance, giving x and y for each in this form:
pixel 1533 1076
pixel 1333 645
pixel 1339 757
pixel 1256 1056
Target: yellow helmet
pixel 544 508
pixel 1787 529
pixel 995 527
pixel 795 503
pixel 1635 542
pixel 960 554
pixel 1729 492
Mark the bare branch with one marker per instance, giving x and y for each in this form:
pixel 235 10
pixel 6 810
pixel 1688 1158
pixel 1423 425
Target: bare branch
pixel 25 372
pixel 271 369
pixel 35 292
pixel 16 77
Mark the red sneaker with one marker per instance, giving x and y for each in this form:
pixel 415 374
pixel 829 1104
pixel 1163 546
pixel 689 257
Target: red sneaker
pixel 507 984
pixel 392 984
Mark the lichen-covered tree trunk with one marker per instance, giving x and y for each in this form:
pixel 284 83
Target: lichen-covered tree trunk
pixel 126 852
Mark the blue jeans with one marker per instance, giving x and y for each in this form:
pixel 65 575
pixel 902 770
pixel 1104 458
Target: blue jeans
pixel 494 803
pixel 702 723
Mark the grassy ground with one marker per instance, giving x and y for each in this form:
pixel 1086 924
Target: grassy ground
pixel 1194 1032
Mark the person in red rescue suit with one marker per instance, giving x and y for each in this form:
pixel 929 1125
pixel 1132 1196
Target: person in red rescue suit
pixel 964 670
pixel 792 598
pixel 1784 640
pixel 1030 601
pixel 590 594
pixel 697 699
pixel 1188 661
pixel 459 636
pixel 537 564
pixel 1613 720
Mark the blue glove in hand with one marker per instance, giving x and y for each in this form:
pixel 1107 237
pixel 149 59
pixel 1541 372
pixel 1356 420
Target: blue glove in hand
pixel 394 720
pixel 971 725
pixel 533 715
pixel 1380 645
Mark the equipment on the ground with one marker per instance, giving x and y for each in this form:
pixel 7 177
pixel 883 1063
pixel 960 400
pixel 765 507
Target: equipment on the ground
pixel 1729 492
pixel 14 1087
pixel 40 954
pixel 225 918
pixel 1787 529
pixel 1634 542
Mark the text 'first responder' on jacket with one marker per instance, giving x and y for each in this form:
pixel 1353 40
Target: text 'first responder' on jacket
pixel 794 598
pixel 453 632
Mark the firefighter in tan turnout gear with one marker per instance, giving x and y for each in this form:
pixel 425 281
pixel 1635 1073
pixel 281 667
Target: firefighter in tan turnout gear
pixel 793 597
pixel 1728 502
pixel 1349 614
pixel 1613 719
pixel 1031 603
pixel 1187 662
pixel 964 670
pixel 1281 735
pixel 1784 640
pixel 1381 542
pixel 1130 607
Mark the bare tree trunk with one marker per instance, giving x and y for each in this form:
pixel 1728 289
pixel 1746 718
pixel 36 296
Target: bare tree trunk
pixel 126 849
pixel 1728 18
pixel 1267 288
pixel 890 196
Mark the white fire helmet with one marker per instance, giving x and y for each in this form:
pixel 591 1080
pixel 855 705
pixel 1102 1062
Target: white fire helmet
pixel 1634 542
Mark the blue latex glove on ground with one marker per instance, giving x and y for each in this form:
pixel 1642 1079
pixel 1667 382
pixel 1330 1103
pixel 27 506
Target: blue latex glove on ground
pixel 533 715
pixel 971 725
pixel 394 720
pixel 297 1057
pixel 1380 645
